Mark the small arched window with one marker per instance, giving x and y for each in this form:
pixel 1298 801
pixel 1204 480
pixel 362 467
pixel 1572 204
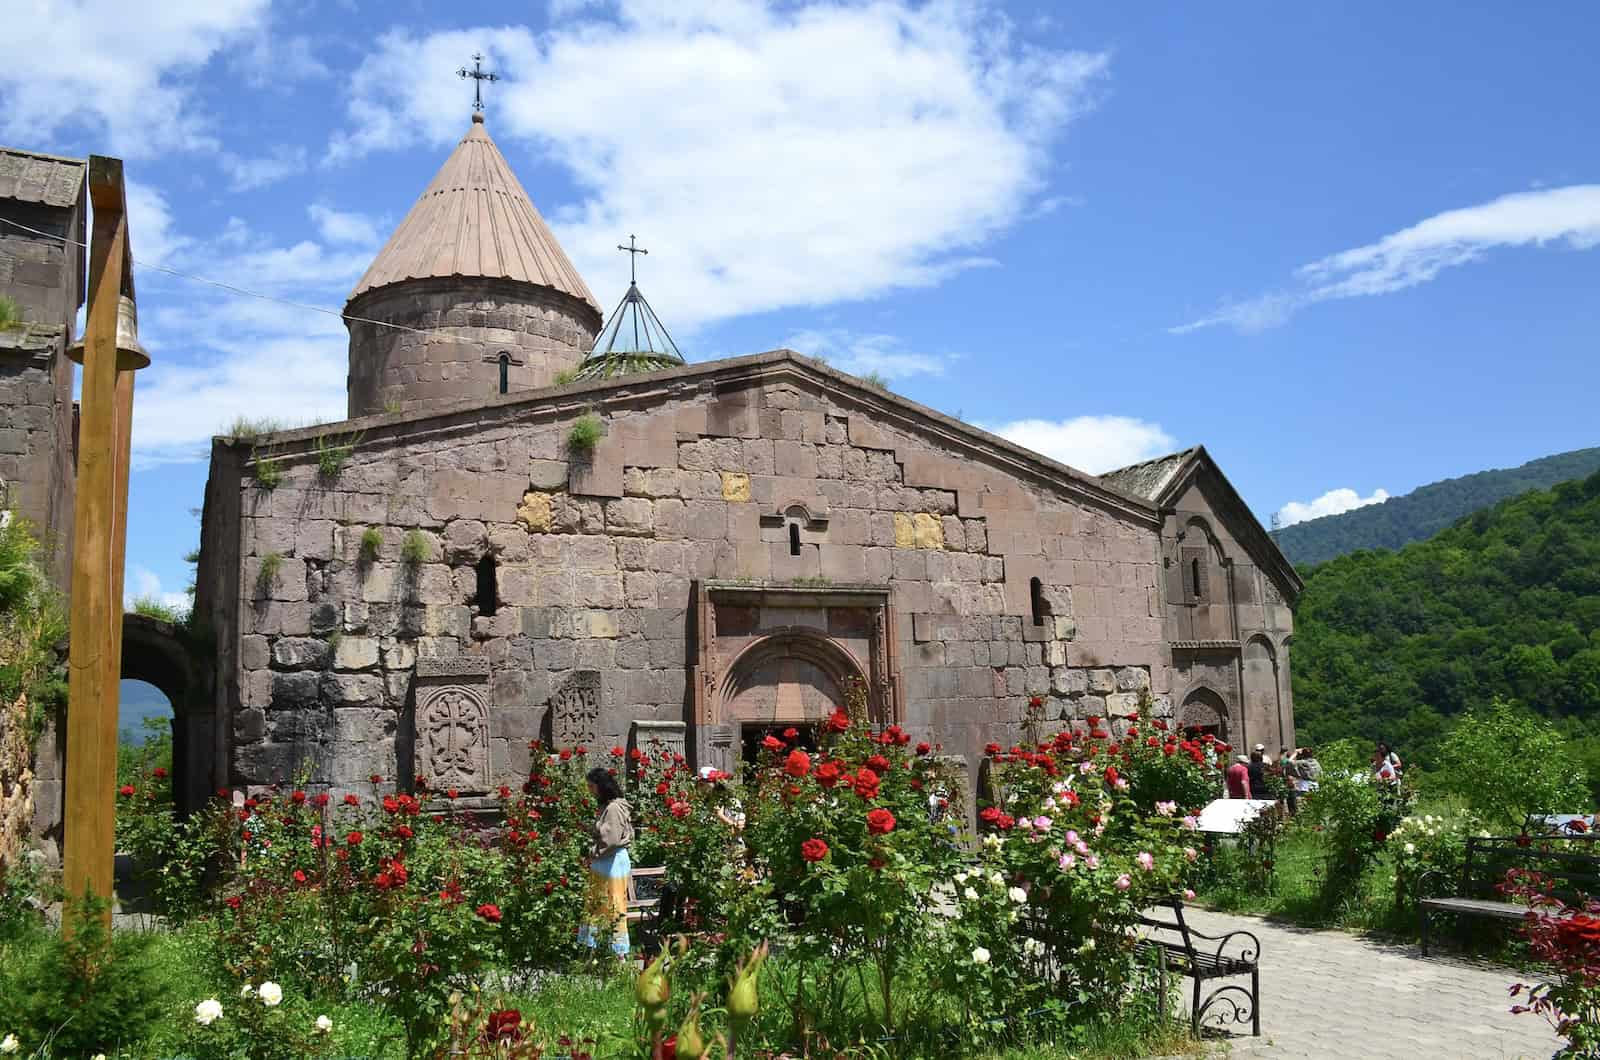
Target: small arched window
pixel 488 595
pixel 794 539
pixel 1036 600
pixel 505 373
pixel 1197 579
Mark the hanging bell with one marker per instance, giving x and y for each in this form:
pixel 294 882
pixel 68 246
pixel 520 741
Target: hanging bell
pixel 130 355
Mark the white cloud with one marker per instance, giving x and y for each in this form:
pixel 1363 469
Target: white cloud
pixel 1331 503
pixel 1415 255
pixel 124 70
pixel 248 173
pixel 276 60
pixel 142 583
pixel 342 226
pixel 217 354
pixel 1095 444
pixel 767 155
pixel 858 354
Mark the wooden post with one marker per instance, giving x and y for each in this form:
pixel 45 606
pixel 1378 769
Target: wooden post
pixel 99 536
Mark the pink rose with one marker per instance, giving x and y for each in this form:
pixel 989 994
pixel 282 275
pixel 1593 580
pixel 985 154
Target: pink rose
pixel 1146 862
pixel 1123 883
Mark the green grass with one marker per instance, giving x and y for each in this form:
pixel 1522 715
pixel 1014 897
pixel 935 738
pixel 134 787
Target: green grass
pixel 268 471
pixel 250 428
pixel 267 574
pixel 150 607
pixel 334 451
pixel 414 548
pixel 371 542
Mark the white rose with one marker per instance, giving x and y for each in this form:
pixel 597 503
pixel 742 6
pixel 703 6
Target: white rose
pixel 324 1025
pixel 271 994
pixel 1411 848
pixel 980 956
pixel 961 877
pixel 9 1044
pixel 208 1012
pixel 997 879
pixel 246 990
pixel 970 895
pixel 1018 895
pixel 992 841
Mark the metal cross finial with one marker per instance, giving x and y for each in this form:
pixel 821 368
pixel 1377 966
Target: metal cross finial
pixel 632 251
pixel 478 78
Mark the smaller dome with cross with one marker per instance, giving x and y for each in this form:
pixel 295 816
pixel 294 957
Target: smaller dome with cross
pixel 634 339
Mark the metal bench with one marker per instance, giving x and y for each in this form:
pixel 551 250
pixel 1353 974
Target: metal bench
pixel 645 888
pixel 1180 948
pixel 1569 863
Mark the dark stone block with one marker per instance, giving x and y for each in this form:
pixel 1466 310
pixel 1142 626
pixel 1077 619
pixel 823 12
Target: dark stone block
pixel 294 691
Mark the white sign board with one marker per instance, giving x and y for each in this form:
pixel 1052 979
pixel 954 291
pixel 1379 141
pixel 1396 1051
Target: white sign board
pixel 1229 816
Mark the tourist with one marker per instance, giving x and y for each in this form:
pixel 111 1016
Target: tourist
pixel 1257 768
pixel 1238 778
pixel 1386 764
pixel 1291 778
pixel 606 906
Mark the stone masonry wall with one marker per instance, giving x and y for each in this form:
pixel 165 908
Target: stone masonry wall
pixel 596 557
pixel 469 324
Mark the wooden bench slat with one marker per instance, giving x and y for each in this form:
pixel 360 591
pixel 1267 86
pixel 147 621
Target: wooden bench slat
pixel 1478 907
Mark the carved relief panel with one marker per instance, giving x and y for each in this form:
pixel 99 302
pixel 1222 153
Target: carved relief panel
pixel 575 710
pixel 451 738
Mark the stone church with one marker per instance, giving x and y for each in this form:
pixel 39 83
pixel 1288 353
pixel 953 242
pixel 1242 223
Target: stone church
pixel 537 523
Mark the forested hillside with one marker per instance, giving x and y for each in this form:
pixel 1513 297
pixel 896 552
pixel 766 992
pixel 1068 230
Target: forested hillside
pixel 1393 645
pixel 1426 510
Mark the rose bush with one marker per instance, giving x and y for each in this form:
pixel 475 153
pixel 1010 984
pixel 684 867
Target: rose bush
pixel 1431 845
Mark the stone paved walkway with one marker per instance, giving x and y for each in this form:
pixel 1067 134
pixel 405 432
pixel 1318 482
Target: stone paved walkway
pixel 1326 995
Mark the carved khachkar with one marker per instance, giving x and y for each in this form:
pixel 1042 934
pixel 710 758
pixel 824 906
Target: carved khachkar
pixel 452 724
pixel 653 737
pixel 575 710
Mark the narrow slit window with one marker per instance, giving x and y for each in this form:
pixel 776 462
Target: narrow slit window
pixel 1195 576
pixel 505 373
pixel 1036 598
pixel 794 539
pixel 488 587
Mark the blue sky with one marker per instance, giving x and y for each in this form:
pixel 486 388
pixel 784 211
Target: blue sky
pixel 1350 248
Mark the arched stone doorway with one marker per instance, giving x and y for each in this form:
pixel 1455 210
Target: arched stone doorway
pixel 154 651
pixel 789 679
pixel 1203 711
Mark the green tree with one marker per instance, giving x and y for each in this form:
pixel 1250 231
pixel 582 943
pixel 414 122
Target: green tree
pixel 1507 763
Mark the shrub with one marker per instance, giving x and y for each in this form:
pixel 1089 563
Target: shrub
pixel 876 380
pixel 333 452
pixel 415 549
pixel 1428 845
pixel 585 433
pixel 1507 763
pixel 259 1021
pixel 1355 823
pixel 268 471
pixel 1566 940
pixel 150 607
pixel 83 993
pixel 371 542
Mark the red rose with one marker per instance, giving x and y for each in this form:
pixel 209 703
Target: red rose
pixel 923 748
pixel 159 772
pixel 880 822
pixel 1111 775
pixel 354 839
pixel 838 721
pixel 391 804
pixel 581 750
pixel 298 797
pixel 828 774
pixel 790 733
pixel 1380 836
pixel 991 749
pixel 813 850
pixel 1005 822
pixel 798 764
pixel 125 791
pixel 505 791
pixel 989 814
pixel 299 876
pixel 617 751
pixel 661 788
pixel 566 756
pixel 451 793
pixel 680 810
pixel 635 754
pixel 375 779
pixel 875 864
pixel 490 912
pixel 234 901
pixel 351 800
pixel 1578 824
pixel 503 1026
pixel 865 783
pixel 403 831
pixel 1169 749
pixel 879 764
pixel 772 743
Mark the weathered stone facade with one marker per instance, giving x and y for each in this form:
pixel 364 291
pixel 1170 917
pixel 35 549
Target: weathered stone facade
pixel 452 335
pixel 44 277
pixel 746 536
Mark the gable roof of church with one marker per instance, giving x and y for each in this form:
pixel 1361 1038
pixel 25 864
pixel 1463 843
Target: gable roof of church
pixel 474 220
pixel 1161 480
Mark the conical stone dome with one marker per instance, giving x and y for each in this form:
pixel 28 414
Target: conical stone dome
pixel 471 296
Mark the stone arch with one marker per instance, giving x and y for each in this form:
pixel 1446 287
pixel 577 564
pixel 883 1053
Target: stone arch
pixel 156 652
pixel 794 674
pixel 1262 693
pixel 1204 709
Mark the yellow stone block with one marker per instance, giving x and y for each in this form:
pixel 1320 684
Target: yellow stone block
pixel 534 511
pixel 905 535
pixel 602 624
pixel 735 486
pixel 927 531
